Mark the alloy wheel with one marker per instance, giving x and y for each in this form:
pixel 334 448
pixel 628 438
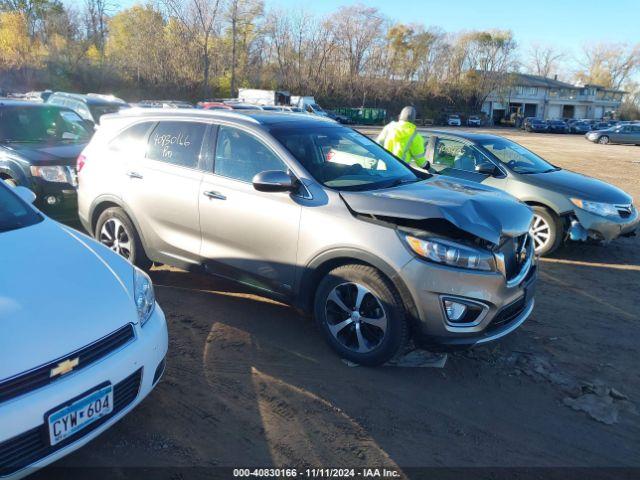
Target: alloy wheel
pixel 114 235
pixel 603 140
pixel 541 232
pixel 355 317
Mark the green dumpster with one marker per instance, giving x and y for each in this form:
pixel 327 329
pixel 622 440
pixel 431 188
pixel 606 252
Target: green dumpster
pixel 364 116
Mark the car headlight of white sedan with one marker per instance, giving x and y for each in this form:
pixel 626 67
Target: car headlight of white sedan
pixel 602 209
pixel 143 295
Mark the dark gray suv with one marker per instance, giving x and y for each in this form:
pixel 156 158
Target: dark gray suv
pixel 316 215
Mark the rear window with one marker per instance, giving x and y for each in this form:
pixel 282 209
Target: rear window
pixel 177 143
pixel 14 213
pixel 131 140
pixel 98 110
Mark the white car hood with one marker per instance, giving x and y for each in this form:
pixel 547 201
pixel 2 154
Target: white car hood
pixel 57 294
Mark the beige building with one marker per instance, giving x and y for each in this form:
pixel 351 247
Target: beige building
pixel 548 98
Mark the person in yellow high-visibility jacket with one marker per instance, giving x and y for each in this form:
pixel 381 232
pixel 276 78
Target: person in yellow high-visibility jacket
pixel 403 140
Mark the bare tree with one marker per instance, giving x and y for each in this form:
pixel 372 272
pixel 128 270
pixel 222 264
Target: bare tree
pixel 96 14
pixel 240 14
pixel 199 18
pixel 544 60
pixel 609 64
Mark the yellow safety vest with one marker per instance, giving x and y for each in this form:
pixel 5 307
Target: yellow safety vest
pixel 403 140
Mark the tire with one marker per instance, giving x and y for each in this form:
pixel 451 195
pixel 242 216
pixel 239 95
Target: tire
pixel 603 140
pixel 546 230
pixel 114 223
pixel 369 342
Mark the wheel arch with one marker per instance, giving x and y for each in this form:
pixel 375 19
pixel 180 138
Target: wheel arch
pixel 103 203
pixel 327 261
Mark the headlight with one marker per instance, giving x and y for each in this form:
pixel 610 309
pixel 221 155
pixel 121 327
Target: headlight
pixel 143 295
pixel 603 209
pixel 51 174
pixel 450 253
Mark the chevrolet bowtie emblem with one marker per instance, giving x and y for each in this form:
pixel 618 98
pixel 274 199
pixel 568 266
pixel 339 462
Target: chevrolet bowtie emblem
pixel 64 367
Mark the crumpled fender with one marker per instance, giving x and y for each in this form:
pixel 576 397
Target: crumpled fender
pixel 482 211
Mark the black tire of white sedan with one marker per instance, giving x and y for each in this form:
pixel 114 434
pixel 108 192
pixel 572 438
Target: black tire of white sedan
pixel 361 314
pixel 546 231
pixel 115 230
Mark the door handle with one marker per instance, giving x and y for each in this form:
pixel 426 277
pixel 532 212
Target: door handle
pixel 134 175
pixel 214 195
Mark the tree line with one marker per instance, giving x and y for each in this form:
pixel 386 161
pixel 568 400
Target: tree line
pixel 198 49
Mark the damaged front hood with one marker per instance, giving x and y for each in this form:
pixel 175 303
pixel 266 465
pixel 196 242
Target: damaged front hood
pixel 482 211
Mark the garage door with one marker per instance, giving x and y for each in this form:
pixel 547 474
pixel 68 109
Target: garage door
pixel 553 111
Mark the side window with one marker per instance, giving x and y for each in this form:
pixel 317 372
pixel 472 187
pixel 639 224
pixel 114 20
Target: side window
pixel 454 154
pixel 446 152
pixel 240 155
pixel 177 143
pixel 131 140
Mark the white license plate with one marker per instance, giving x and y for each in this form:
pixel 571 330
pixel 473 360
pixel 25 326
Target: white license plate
pixel 81 413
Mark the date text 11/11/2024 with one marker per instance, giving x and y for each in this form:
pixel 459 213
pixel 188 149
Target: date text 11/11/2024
pixel 316 473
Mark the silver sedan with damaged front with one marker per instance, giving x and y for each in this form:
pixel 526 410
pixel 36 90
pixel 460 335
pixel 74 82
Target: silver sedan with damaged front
pixel 567 206
pixel 316 215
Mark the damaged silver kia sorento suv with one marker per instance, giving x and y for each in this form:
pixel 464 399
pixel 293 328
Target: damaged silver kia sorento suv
pixel 318 216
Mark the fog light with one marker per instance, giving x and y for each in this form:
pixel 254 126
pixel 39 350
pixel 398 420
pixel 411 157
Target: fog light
pixel 51 199
pixel 454 310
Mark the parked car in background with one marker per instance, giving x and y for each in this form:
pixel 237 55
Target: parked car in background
pixel 243 106
pixel 368 245
pixel 474 121
pixel 626 134
pixel 600 126
pixel 579 127
pixel 454 121
pixel 89 107
pixel 338 117
pixel 39 146
pixel 557 126
pixel 566 205
pixel 214 106
pixel 533 124
pixel 82 340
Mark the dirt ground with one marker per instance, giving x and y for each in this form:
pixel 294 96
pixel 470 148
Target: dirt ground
pixel 249 382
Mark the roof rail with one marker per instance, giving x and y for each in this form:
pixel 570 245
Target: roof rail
pixel 192 112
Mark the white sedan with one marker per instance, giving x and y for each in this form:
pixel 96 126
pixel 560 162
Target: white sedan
pixel 82 339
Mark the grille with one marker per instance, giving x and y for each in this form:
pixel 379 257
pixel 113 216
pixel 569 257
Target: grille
pixel 33 445
pixel 508 314
pixel 514 251
pixel 41 376
pixel 624 210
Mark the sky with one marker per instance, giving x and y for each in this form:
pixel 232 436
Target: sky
pixel 566 24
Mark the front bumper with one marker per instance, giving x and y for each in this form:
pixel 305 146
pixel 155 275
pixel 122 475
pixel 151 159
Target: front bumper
pixel 56 200
pixel 505 308
pixel 607 228
pixel 145 354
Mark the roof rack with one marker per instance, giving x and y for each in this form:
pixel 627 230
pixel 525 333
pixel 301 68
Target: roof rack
pixel 193 112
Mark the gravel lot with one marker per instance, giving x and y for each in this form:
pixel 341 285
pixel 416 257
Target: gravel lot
pixel 249 382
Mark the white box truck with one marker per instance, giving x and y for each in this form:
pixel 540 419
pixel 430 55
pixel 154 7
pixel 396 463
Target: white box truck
pixel 263 97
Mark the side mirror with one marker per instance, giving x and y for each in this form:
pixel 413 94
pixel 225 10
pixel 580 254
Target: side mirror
pixel 274 181
pixel 486 168
pixel 25 194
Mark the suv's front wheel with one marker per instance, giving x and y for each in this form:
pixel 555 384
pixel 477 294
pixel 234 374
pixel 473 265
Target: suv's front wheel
pixel 115 230
pixel 361 314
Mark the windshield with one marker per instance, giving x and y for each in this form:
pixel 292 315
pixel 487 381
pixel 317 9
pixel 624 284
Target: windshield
pixel 41 124
pixel 343 159
pixel 14 213
pixel 516 157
